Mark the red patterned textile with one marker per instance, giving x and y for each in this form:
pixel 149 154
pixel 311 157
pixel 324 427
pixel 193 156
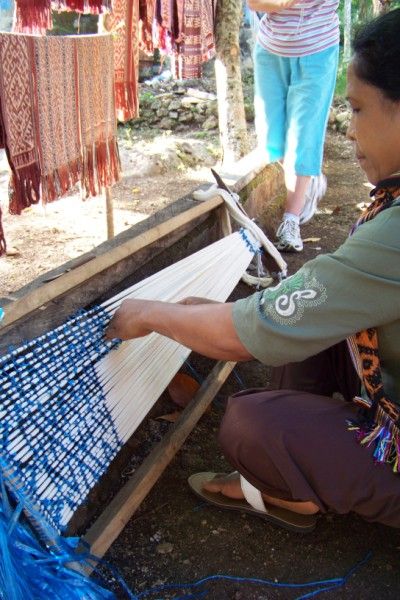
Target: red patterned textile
pixel 198 43
pixel 57 115
pixel 191 26
pixel 34 16
pixel 94 7
pixel 124 24
pixel 146 16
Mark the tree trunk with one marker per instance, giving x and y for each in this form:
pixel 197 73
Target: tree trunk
pixel 347 32
pixel 231 114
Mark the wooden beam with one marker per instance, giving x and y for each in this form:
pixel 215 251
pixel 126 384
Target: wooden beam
pixel 117 514
pixel 54 289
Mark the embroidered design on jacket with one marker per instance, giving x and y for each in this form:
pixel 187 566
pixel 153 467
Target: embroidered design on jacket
pixel 285 303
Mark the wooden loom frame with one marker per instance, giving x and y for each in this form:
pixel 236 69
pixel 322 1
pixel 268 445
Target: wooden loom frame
pixel 45 303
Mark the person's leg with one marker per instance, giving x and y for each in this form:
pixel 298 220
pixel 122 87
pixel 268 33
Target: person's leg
pixel 296 449
pixel 271 81
pixel 308 101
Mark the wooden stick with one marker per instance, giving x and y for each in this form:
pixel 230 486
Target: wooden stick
pixel 117 514
pixel 110 213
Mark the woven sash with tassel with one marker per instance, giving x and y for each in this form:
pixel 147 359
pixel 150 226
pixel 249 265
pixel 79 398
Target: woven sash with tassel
pixel 381 421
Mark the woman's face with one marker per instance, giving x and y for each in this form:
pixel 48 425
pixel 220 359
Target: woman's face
pixel 374 128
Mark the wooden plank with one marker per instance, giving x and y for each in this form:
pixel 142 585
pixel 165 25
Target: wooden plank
pixel 54 289
pixel 117 514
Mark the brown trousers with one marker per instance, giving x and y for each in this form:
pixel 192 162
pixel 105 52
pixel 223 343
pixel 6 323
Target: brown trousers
pixel 293 442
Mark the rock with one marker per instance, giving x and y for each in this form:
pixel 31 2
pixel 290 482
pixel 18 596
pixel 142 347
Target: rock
pixel 166 123
pixel 189 101
pixel 343 116
pixel 200 95
pixel 174 105
pixel 164 548
pixel 185 117
pixel 210 123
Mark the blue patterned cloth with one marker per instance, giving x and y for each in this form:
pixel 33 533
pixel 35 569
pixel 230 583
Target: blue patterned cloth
pixel 55 429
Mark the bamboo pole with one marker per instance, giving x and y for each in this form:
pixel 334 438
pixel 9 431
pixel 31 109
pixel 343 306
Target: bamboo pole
pixel 110 214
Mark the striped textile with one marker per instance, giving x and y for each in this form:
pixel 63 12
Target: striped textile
pixel 307 27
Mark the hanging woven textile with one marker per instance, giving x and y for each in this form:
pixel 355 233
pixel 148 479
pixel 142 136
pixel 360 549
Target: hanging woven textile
pixel 57 115
pixel 70 399
pixel 190 24
pixel 34 16
pixel 146 16
pixel 123 23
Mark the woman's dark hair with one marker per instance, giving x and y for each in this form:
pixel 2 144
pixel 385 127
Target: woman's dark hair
pixel 376 50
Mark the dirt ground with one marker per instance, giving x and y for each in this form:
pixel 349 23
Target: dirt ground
pixel 173 537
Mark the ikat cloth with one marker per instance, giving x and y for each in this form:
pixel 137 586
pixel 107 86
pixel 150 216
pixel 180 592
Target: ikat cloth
pixel 35 17
pixel 187 29
pixel 57 115
pixel 123 23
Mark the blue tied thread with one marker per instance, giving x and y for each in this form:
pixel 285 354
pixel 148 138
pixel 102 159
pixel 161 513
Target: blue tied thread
pixel 250 243
pixel 1 314
pixel 50 385
pixel 323 585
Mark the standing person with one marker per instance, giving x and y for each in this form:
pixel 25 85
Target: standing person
pixel 295 66
pixel 296 450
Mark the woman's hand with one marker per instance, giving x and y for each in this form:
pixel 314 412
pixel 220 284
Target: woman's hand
pixel 205 327
pixel 128 321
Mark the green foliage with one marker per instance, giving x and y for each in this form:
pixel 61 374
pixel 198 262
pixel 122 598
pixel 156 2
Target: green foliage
pixel 146 98
pixel 361 12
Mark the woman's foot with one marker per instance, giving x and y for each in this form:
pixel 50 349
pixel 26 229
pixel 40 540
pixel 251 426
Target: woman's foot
pixel 229 485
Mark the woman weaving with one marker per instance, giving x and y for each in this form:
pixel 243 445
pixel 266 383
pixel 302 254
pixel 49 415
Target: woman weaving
pixel 299 450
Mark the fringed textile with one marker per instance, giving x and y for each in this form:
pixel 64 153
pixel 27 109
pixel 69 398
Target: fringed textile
pixel 34 16
pixel 19 118
pixel 101 164
pixel 124 24
pixel 55 101
pixel 57 115
pixel 380 423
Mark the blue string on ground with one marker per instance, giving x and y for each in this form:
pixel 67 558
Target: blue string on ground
pixel 322 586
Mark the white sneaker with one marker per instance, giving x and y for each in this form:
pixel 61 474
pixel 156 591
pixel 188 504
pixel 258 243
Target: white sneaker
pixel 315 192
pixel 288 236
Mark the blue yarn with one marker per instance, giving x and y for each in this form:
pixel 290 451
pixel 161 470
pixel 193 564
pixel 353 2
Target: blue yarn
pixel 35 561
pixel 322 586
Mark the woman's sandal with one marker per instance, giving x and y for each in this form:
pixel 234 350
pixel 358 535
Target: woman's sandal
pixel 254 504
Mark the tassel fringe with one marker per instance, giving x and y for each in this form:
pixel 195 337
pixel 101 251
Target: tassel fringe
pixel 385 436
